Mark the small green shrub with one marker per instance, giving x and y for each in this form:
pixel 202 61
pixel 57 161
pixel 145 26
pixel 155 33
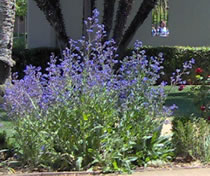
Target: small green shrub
pixel 191 138
pixel 6 148
pixel 201 92
pixel 3 140
pixel 37 57
pixel 19 42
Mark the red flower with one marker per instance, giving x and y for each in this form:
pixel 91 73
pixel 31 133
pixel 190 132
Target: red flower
pixel 199 70
pixel 209 118
pixel 203 108
pixel 181 87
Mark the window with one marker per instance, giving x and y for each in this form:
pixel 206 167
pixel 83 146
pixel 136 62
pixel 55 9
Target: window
pixel 160 19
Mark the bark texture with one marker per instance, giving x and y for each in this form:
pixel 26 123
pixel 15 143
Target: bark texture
pixel 108 16
pixel 7 19
pixel 54 15
pixel 123 12
pixel 143 12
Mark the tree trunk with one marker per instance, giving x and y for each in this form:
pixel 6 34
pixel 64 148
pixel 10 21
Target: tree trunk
pixel 88 7
pixel 53 13
pixel 7 20
pixel 143 12
pixel 93 6
pixel 123 12
pixel 108 16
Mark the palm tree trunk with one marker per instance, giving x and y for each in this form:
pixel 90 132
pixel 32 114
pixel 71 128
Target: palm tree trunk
pixel 108 16
pixel 53 13
pixel 123 12
pixel 143 12
pixel 7 19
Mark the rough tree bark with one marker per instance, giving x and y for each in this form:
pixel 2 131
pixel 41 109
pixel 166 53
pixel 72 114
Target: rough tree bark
pixel 143 12
pixel 54 15
pixel 108 16
pixel 7 19
pixel 123 12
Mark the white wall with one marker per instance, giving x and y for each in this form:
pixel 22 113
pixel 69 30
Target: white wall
pixel 189 24
pixel 40 33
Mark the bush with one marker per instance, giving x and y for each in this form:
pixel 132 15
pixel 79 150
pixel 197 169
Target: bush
pixel 176 55
pixel 173 59
pixel 201 92
pixel 81 114
pixel 6 148
pixel 191 138
pixel 37 57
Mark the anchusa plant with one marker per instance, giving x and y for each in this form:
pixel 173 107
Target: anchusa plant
pixel 84 114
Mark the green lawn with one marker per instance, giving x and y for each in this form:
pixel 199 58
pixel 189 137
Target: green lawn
pixel 184 100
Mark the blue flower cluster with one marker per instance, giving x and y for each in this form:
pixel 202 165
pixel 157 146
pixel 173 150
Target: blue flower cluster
pixel 84 112
pixel 87 66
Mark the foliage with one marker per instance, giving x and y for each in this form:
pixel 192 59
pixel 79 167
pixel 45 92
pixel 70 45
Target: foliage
pixel 6 148
pixel 173 59
pixel 24 57
pixel 176 55
pixel 192 138
pixel 81 113
pixel 201 92
pixel 21 8
pixel 19 42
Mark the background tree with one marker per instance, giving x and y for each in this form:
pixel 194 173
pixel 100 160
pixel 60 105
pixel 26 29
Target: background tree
pixel 143 12
pixel 53 13
pixel 123 12
pixel 108 16
pixel 21 8
pixel 7 19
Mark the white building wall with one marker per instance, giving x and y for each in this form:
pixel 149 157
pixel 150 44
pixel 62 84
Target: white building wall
pixel 40 33
pixel 189 24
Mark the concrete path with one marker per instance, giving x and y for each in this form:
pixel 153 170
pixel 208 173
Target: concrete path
pixel 175 172
pixel 172 172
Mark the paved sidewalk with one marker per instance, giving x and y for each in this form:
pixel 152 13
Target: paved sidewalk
pixel 164 172
pixel 175 172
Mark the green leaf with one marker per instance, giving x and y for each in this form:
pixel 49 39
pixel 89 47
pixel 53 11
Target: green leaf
pixel 115 165
pixel 85 117
pixel 79 163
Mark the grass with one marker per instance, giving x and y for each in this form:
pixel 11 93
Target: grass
pixel 184 100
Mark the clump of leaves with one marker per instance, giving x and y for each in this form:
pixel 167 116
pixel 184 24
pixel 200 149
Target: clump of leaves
pixel 192 138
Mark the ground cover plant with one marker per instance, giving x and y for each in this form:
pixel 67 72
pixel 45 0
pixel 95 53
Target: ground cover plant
pixel 83 114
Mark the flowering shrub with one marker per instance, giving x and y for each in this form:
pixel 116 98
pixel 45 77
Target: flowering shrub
pixel 83 113
pixel 202 92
